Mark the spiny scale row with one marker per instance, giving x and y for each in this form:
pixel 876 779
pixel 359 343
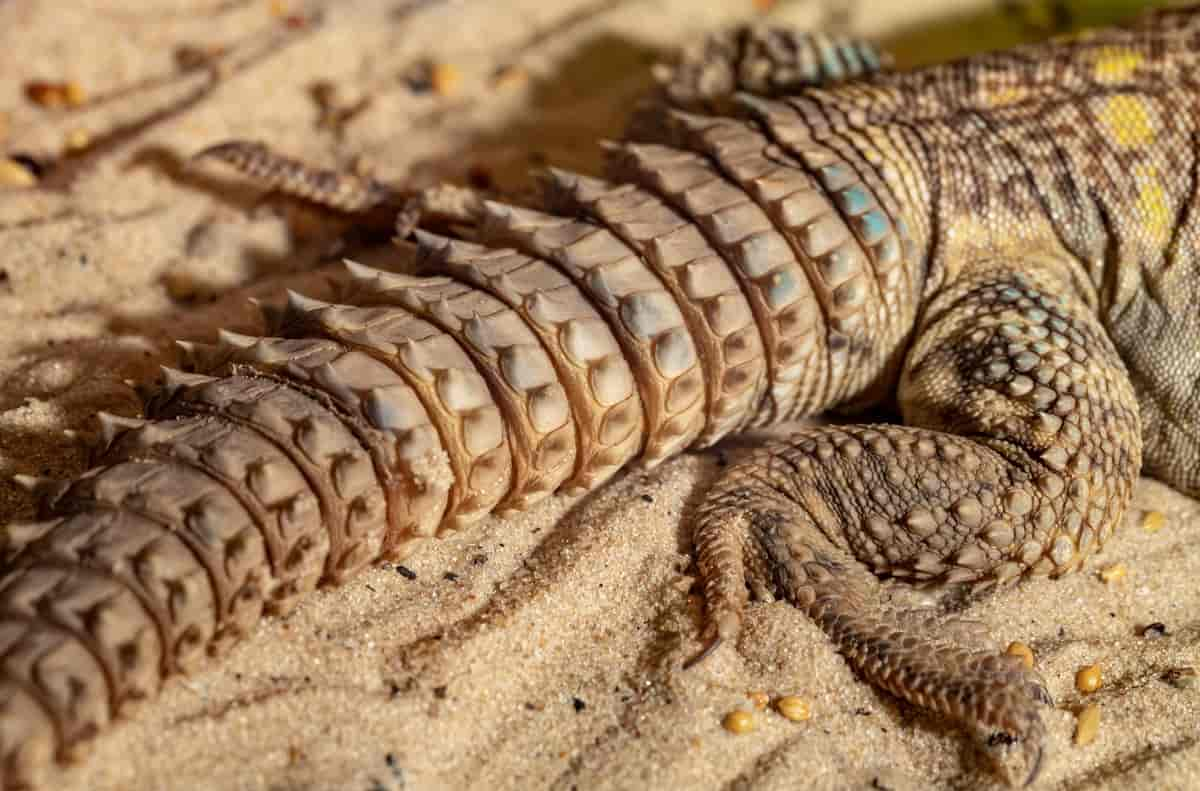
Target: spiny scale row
pixel 723 285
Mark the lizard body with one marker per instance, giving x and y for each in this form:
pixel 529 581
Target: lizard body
pixel 1003 242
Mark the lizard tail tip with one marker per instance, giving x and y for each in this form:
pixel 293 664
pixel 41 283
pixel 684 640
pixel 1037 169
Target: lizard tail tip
pixel 231 151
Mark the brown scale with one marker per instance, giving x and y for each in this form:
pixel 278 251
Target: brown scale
pixel 337 468
pixel 267 483
pixel 837 293
pixel 512 360
pixel 641 311
pixel 840 267
pixel 771 277
pixel 605 406
pixel 716 311
pixel 454 394
pixel 381 408
pixel 846 161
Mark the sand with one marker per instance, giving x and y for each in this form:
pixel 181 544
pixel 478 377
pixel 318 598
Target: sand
pixel 542 651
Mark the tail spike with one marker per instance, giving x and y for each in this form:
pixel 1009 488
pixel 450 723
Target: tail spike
pixel 433 251
pixel 475 330
pixel 495 211
pixel 558 187
pixel 271 313
pixel 175 380
pixel 45 490
pixel 227 339
pixel 198 357
pixel 558 177
pixel 430 245
pixel 113 426
pixel 298 303
pixel 360 272
pixel 15 536
pixel 328 378
pixel 297 311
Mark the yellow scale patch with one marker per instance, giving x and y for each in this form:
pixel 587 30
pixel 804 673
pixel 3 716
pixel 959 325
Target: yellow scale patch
pixel 1002 97
pixel 1115 64
pixel 1153 205
pixel 1128 120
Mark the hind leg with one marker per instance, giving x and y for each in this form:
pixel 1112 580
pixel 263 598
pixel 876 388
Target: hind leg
pixel 1020 457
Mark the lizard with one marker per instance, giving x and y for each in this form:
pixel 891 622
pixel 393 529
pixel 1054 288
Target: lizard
pixel 1000 244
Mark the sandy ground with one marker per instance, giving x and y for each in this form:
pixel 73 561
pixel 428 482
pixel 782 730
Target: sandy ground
pixel 537 652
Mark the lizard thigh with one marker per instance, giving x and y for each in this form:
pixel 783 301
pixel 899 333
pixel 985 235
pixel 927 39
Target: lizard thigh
pixel 1009 358
pixel 1020 454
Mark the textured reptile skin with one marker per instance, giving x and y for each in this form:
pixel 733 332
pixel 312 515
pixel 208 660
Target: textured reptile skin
pixel 1005 243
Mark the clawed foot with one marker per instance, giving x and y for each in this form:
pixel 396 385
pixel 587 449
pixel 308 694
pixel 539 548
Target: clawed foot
pixel 1017 752
pixel 1008 726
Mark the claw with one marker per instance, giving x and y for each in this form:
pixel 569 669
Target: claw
pixel 713 644
pixel 1019 745
pixel 1037 766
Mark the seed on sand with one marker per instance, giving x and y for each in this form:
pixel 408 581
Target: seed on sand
pixel 445 78
pixel 1022 652
pixel 738 721
pixel 793 708
pixel 14 174
pixel 1153 521
pixel 1087 724
pixel 1088 679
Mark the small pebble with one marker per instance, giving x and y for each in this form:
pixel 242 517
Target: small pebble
pixel 55 94
pixel 73 93
pixel 1153 521
pixel 738 721
pixel 760 700
pixel 1087 724
pixel 14 174
pixel 78 139
pixel 444 78
pixel 1154 631
pixel 1180 677
pixel 1088 679
pixel 793 708
pixel 1022 652
pixel 1114 573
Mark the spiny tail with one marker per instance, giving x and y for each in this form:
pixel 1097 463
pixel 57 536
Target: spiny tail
pixel 715 288
pixel 338 190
